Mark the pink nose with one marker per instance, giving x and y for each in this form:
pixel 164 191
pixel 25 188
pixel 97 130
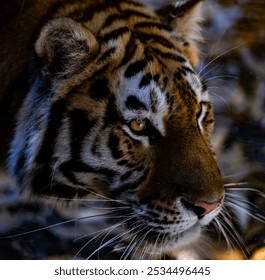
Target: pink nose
pixel 208 207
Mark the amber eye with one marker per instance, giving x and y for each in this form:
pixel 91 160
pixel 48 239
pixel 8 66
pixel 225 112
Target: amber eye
pixel 138 126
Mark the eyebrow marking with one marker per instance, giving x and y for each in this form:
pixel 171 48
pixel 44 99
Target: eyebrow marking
pixel 134 103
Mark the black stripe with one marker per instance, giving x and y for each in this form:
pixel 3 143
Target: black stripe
pixel 79 166
pixel 99 72
pixel 54 124
pixel 126 175
pixel 112 18
pixel 160 26
pixel 132 186
pixel 67 169
pixel 68 192
pixel 122 162
pixel 112 115
pixel 204 86
pixel 129 173
pixel 134 103
pixel 169 55
pixel 187 69
pixel 41 183
pixel 113 144
pixel 114 34
pixel 130 50
pixel 80 127
pixel 124 15
pixel 147 78
pixel 61 190
pixel 178 75
pixel 19 169
pixel 188 95
pixel 99 89
pixel 95 147
pixel 92 10
pixel 133 13
pixel 107 54
pixel 134 68
pixel 146 37
pixel 153 98
pixel 165 83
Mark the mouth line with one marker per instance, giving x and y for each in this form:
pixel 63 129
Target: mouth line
pixel 152 233
pixel 159 242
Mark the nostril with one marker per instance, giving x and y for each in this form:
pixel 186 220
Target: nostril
pixel 208 207
pixel 201 208
pixel 198 210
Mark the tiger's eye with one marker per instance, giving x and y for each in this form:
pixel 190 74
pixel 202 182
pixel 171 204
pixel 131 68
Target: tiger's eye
pixel 138 126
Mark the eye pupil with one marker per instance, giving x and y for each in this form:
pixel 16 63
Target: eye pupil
pixel 138 126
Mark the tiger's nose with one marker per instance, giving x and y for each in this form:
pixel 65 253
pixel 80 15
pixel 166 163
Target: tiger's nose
pixel 201 208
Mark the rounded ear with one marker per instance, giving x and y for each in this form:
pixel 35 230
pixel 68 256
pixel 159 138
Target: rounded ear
pixel 185 17
pixel 65 46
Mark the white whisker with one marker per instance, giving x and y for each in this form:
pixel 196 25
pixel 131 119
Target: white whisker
pixel 228 185
pixel 54 225
pixel 258 192
pixel 119 236
pixel 220 55
pixel 131 245
pixel 256 216
pixel 101 233
pixel 235 234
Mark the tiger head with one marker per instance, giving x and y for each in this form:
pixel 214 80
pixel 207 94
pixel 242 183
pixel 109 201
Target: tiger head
pixel 117 109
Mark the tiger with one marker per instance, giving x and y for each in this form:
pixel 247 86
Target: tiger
pixel 115 109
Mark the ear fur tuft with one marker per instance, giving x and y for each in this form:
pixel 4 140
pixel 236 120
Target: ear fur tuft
pixel 64 46
pixel 184 16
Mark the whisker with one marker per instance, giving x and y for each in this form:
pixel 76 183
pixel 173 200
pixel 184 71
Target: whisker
pixel 221 78
pixel 102 232
pixel 231 197
pixel 228 185
pixel 106 208
pixel 140 242
pixel 208 71
pixel 220 55
pixel 223 99
pixel 256 216
pixel 257 191
pixel 126 232
pixel 220 228
pixel 216 43
pixel 54 225
pixel 105 229
pixel 103 198
pixel 114 238
pixel 130 246
pixel 231 230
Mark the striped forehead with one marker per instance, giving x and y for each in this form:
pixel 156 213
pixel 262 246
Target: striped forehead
pixel 142 92
pixel 140 96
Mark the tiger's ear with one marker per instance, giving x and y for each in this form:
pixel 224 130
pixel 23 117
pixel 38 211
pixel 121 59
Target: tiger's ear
pixel 184 16
pixel 64 46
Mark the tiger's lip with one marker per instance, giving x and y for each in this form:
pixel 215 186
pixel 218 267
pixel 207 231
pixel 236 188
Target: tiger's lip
pixel 170 242
pixel 151 232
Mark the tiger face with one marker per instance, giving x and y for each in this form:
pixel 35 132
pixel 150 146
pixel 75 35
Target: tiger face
pixel 116 108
